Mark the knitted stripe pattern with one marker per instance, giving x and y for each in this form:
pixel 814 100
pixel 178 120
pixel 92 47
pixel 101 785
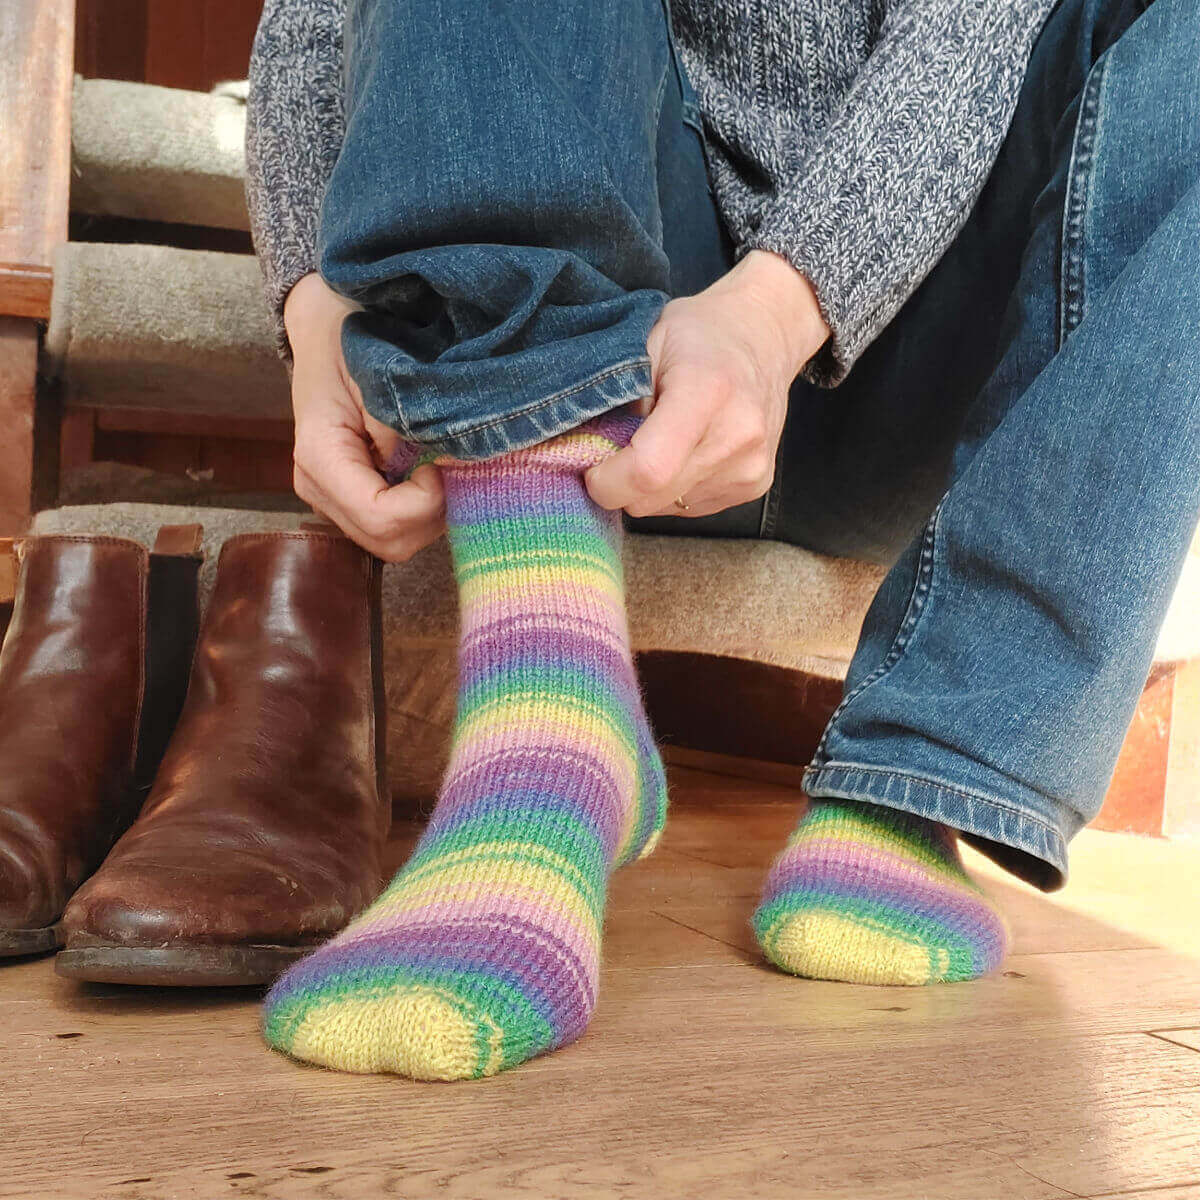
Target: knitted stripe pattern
pixel 485 949
pixel 867 894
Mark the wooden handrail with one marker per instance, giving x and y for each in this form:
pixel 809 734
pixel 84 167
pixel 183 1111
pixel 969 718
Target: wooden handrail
pixel 37 49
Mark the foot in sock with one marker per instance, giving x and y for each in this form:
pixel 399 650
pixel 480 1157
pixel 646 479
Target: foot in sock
pixel 866 894
pixel 485 949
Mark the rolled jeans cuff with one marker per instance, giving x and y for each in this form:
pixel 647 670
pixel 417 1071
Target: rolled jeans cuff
pixel 478 409
pixel 560 412
pixel 1012 836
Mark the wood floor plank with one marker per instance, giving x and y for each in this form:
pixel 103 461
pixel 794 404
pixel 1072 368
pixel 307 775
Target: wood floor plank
pixel 1044 998
pixel 1181 1037
pixel 705 1074
pixel 1187 1192
pixel 1083 1117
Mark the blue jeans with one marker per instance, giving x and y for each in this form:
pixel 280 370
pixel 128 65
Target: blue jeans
pixel 1021 445
pixel 514 201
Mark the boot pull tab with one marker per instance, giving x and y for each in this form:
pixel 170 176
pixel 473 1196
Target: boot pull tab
pixel 10 559
pixel 179 541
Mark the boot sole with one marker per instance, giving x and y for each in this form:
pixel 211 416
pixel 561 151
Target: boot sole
pixel 179 966
pixel 19 943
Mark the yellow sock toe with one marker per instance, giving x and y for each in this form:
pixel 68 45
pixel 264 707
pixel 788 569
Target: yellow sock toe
pixel 821 945
pixel 866 894
pixel 415 1032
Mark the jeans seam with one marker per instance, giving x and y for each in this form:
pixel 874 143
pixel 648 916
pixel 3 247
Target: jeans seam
pixel 834 765
pixel 401 424
pixel 389 381
pixel 917 605
pixel 672 47
pixel 1072 281
pixel 659 94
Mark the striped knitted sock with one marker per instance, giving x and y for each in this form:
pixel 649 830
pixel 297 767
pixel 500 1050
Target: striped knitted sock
pixel 485 949
pixel 867 894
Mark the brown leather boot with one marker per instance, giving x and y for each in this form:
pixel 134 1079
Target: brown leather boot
pixel 264 832
pixel 92 676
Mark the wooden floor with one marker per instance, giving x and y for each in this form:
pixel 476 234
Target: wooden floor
pixel 1075 1072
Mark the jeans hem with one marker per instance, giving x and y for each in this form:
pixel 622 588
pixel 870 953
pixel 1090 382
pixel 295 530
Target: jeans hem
pixel 561 412
pixel 1014 838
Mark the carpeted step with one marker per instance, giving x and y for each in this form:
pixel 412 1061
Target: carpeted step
pixel 159 154
pixel 157 327
pixel 761 601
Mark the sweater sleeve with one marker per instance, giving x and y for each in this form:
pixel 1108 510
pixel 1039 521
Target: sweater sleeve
pixel 878 199
pixel 294 130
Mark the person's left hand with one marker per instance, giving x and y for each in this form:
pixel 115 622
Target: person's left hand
pixel 722 364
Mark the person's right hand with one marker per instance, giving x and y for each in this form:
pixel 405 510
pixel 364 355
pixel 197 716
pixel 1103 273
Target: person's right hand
pixel 340 447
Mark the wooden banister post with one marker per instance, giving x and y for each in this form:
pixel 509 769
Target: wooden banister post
pixel 37 50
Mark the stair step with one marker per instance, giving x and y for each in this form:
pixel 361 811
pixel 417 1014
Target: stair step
pixel 159 154
pixel 156 327
pixel 762 601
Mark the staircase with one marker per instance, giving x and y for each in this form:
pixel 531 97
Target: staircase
pixel 157 330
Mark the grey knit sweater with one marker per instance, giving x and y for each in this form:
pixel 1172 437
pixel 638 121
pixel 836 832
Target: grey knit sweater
pixel 850 136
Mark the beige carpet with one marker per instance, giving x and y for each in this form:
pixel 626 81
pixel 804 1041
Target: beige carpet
pixel 756 600
pixel 159 154
pixel 761 601
pixel 159 327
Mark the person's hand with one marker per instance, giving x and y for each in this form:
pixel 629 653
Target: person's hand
pixel 340 448
pixel 722 363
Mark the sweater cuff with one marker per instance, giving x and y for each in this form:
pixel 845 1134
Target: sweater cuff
pixel 280 275
pixel 853 305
